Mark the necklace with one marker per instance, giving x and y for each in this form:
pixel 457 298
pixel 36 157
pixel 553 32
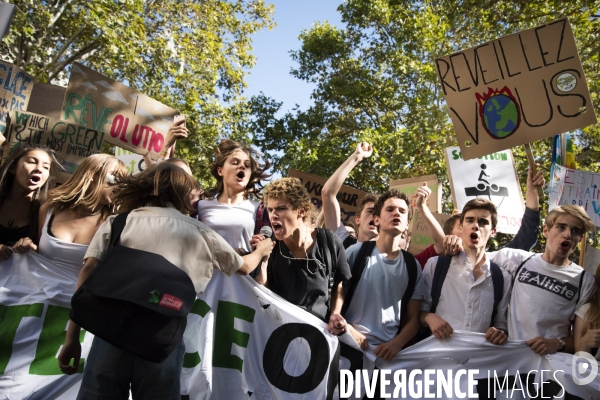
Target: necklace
pixel 320 265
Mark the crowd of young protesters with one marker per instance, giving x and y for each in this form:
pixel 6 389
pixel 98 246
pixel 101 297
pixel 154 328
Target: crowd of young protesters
pixel 358 279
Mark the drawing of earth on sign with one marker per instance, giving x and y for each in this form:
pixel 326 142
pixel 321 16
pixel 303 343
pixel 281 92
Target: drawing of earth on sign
pixel 499 112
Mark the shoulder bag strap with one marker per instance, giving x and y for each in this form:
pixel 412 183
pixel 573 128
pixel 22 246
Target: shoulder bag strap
pixel 498 283
pixel 441 270
pixel 360 262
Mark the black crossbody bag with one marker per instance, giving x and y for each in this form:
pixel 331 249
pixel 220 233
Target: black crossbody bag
pixel 135 300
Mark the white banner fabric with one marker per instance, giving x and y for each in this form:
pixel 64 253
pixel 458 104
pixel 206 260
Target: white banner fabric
pixel 244 342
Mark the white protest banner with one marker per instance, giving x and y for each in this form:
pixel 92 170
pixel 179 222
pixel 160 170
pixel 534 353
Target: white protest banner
pixel 244 342
pixel 515 90
pixel 15 91
pixel 35 298
pixel 465 366
pixel 492 177
pixel 129 119
pixel 582 188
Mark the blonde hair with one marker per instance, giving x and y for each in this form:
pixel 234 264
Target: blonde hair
pixel 593 313
pixel 85 187
pixel 574 211
pixel 292 191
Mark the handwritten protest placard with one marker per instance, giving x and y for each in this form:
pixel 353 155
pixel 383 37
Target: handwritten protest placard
pixel 129 119
pixel 47 100
pixel 492 177
pixel 347 196
pixel 421 235
pixel 72 143
pixel 409 187
pixel 516 89
pixel 15 92
pixel 134 162
pixel 582 188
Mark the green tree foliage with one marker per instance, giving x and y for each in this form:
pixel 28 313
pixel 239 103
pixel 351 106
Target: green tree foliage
pixel 192 55
pixel 375 80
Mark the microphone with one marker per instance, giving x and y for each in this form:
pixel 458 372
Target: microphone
pixel 267 232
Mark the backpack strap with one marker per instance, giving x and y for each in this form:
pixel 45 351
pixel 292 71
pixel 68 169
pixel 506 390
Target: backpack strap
pixel 498 283
pixel 518 270
pixel 411 267
pixel 360 262
pixel 327 244
pixel 579 291
pixel 441 270
pixel 116 228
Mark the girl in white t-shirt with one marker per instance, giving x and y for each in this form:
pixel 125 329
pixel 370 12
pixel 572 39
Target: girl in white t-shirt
pixel 228 209
pixel 587 323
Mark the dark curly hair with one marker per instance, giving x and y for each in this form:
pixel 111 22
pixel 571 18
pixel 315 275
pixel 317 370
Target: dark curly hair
pixel 393 193
pixel 258 168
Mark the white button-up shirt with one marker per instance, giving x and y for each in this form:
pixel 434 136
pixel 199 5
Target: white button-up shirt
pixel 465 303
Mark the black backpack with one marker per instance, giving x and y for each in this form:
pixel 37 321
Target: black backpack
pixel 441 270
pixel 135 300
pixel 360 262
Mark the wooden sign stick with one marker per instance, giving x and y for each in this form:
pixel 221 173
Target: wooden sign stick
pixel 582 250
pixel 532 166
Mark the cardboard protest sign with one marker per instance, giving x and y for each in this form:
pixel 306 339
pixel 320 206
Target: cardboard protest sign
pixel 15 92
pixel 47 100
pixel 410 186
pixel 492 177
pixel 582 188
pixel 134 162
pixel 516 89
pixel 347 197
pixel 129 119
pixel 72 143
pixel 421 235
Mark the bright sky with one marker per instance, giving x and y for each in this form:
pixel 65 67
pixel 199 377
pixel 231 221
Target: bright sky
pixel 271 74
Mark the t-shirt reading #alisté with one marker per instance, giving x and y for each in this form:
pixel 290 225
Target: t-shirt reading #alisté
pixel 544 296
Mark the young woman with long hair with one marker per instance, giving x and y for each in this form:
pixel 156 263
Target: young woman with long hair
pixel 25 178
pixel 73 211
pixel 158 202
pixel 228 208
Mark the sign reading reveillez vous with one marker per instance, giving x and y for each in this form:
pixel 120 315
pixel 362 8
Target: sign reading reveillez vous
pixel 516 89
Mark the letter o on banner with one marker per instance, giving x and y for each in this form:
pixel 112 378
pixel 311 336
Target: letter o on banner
pixel 274 355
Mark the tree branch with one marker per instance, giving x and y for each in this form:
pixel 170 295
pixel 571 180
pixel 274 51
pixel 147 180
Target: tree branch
pixel 58 69
pixel 66 46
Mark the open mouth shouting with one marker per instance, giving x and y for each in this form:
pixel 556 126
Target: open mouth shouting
pixel 277 227
pixel 565 245
pixel 34 180
pixel 474 238
pixel 241 175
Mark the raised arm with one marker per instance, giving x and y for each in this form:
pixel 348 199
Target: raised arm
pixel 527 235
pixel 331 206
